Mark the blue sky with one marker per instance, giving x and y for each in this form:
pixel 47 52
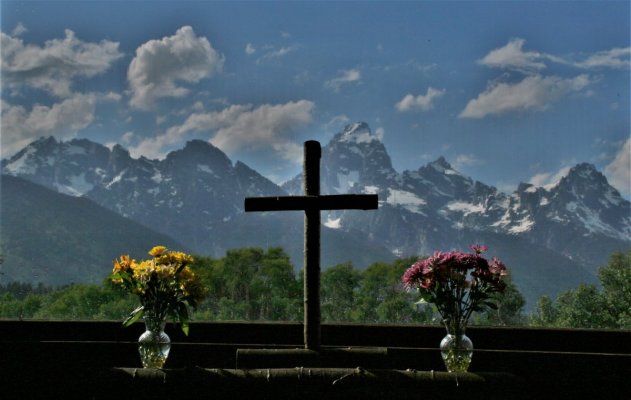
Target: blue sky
pixel 508 92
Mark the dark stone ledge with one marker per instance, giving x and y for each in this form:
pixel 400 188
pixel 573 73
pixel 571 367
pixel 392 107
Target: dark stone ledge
pixel 50 360
pixel 312 383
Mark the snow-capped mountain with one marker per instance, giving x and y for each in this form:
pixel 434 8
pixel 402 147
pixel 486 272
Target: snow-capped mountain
pixel 435 205
pixel 552 237
pixel 185 195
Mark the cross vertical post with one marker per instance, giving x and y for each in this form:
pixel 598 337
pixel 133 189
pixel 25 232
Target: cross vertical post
pixel 311 180
pixel 312 203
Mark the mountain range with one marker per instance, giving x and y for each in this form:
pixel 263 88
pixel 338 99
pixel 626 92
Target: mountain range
pixel 552 238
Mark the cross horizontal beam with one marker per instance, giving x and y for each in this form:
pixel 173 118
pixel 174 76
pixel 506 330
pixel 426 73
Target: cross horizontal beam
pixel 299 203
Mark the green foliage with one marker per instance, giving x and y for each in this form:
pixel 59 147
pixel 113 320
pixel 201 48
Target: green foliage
pixel 250 284
pixel 545 314
pixel 616 281
pixel 587 306
pixel 257 284
pixel 381 297
pixel 86 302
pixel 338 292
pixel 509 310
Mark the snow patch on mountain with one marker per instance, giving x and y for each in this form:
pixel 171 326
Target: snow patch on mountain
pixel 333 223
pixel 22 166
pixel 116 179
pixel 523 225
pixel 407 200
pixel 77 186
pixel 465 208
pixel 157 177
pixel 205 168
pixel 592 221
pixel 346 181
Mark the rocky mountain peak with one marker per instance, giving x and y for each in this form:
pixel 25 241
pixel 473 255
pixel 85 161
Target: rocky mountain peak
pixel 358 133
pixel 586 184
pixel 199 154
pixel 44 142
pixel 202 148
pixel 582 174
pixel 120 150
pixel 26 160
pixel 441 165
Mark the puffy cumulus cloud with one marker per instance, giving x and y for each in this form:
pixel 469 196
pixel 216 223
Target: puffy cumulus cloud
pixel 618 172
pixel 421 102
pixel 159 65
pixel 346 77
pixel 250 128
pixel 617 58
pixel 532 93
pixel 290 151
pixel 53 66
pixel 63 120
pixel 240 128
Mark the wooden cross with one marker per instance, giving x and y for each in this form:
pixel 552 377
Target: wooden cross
pixel 312 203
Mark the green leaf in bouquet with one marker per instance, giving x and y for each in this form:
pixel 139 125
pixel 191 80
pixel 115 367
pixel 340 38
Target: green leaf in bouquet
pixel 134 316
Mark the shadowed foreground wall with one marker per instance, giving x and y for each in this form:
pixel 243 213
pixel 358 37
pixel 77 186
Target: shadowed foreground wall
pixel 98 360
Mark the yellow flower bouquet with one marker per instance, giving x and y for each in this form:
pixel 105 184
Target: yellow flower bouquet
pixel 165 285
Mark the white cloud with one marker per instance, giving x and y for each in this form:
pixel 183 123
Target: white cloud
pixel 347 76
pixel 511 56
pixel 53 66
pixel 127 137
pixel 276 53
pixel 290 151
pixel 379 133
pixel 337 122
pixel 161 65
pixel 549 179
pixel 63 120
pixel 261 126
pixel 533 93
pixel 240 128
pixel 465 160
pixel 19 30
pixel 421 102
pixel 250 49
pixel 617 58
pixel 618 172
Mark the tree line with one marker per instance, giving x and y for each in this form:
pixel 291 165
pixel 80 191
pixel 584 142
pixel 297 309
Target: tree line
pixel 257 284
